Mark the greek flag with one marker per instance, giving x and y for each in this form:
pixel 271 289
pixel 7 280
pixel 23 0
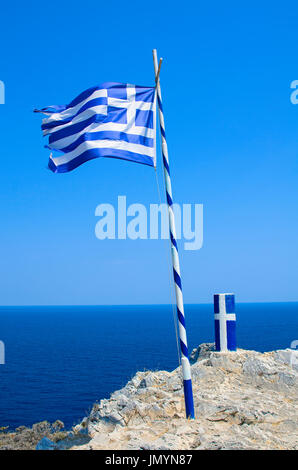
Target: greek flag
pixel 113 120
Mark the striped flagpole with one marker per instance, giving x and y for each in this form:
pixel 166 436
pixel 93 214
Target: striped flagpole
pixel 188 396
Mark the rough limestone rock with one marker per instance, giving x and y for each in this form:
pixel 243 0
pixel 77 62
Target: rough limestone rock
pixel 243 400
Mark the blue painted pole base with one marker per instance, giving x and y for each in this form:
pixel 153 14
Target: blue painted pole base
pixel 189 405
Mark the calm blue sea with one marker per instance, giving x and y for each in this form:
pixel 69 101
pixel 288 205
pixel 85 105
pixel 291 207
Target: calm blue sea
pixel 60 360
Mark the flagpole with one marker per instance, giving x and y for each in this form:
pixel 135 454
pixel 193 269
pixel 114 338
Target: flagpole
pixel 188 395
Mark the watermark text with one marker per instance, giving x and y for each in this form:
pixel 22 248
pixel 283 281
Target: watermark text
pixel 294 94
pixel 136 221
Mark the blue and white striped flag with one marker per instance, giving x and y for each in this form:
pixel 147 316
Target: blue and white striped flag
pixel 113 120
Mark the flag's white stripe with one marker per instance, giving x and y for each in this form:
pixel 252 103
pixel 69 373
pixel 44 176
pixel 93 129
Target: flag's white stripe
pixel 118 103
pixel 72 111
pixel 109 126
pixel 131 107
pixel 101 109
pixel 115 144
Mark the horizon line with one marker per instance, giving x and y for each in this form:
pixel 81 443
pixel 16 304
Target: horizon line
pixel 144 305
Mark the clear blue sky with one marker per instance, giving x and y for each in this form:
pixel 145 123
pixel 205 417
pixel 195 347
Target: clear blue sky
pixel 232 134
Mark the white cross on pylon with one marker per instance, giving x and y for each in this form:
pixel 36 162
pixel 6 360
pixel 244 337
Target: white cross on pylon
pixel 223 317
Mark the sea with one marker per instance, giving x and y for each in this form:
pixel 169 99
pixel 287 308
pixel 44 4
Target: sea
pixel 59 361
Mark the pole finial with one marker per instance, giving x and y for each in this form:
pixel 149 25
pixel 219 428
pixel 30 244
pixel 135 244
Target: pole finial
pixel 158 71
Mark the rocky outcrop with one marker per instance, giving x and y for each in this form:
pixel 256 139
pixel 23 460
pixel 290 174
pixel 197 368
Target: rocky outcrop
pixel 243 400
pixel 44 435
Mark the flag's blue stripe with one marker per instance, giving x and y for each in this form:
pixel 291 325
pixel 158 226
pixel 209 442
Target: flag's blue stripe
pixel 75 128
pixel 82 96
pixel 100 152
pixel 145 94
pixel 116 90
pixel 144 118
pixel 107 135
pixel 115 114
pixel 89 104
